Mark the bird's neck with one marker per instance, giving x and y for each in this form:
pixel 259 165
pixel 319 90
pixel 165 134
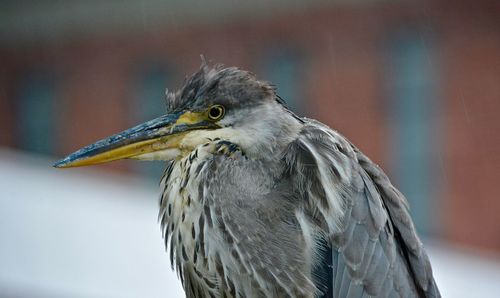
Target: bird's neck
pixel 266 139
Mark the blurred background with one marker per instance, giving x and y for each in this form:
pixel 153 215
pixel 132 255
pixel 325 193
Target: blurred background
pixel 414 84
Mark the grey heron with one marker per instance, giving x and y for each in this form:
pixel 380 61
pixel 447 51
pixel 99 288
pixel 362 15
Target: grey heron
pixel 259 202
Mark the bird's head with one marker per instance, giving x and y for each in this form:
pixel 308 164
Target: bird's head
pixel 225 103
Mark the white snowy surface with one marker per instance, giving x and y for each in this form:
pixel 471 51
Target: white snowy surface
pixel 79 233
pixel 84 233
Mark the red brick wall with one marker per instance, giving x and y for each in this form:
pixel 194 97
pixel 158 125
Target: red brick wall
pixel 343 80
pixel 471 61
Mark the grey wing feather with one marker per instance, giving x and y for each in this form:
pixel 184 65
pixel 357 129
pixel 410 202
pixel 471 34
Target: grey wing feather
pixel 404 232
pixel 375 249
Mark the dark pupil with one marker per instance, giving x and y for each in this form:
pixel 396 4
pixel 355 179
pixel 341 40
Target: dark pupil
pixel 215 112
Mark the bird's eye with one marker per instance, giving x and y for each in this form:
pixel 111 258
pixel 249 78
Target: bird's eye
pixel 216 112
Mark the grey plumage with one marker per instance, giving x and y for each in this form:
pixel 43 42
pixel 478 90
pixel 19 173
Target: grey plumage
pixel 258 202
pixel 259 224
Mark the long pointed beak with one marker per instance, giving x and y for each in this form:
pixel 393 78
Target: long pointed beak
pixel 162 133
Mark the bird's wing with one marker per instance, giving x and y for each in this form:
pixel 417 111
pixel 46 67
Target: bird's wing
pixel 374 249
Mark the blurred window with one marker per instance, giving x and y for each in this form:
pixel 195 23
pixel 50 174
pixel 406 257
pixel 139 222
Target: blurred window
pixel 282 68
pixel 37 113
pixel 413 108
pixel 149 103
